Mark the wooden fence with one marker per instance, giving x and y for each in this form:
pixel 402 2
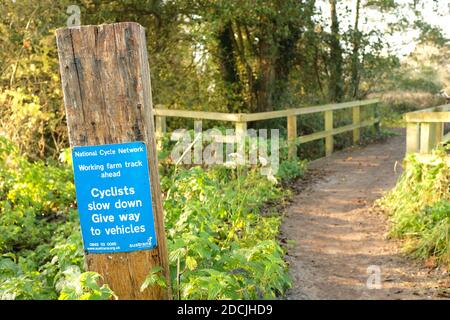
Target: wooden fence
pixel 425 129
pixel 240 121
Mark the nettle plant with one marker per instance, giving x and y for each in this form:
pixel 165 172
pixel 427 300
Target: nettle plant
pixel 40 241
pixel 220 246
pixel 221 234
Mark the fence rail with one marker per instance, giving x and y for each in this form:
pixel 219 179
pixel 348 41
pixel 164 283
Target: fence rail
pixel 425 129
pixel 240 121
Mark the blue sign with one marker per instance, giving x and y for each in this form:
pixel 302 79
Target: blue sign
pixel 114 200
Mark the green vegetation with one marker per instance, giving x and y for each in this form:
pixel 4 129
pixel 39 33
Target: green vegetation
pixel 223 56
pixel 221 246
pixel 419 207
pixel 39 233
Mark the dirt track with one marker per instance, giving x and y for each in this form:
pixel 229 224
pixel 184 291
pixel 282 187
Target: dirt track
pixel 337 235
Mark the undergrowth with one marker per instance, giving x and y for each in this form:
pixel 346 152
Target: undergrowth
pixel 419 206
pixel 220 245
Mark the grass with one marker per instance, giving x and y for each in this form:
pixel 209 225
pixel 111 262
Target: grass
pixel 419 207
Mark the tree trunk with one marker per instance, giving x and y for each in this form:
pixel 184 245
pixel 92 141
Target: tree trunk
pixel 228 68
pixel 355 55
pixel 283 64
pixel 336 84
pixel 266 77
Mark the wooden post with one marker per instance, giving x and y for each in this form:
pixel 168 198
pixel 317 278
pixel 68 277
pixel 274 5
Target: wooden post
pixel 198 138
pixel 412 137
pixel 426 137
pixel 292 136
pixel 329 127
pixel 439 132
pixel 376 115
pixel 241 132
pixel 160 126
pixel 356 120
pixel 107 94
pixel 160 130
pixel 433 135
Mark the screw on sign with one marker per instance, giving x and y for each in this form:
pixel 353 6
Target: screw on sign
pixel 107 94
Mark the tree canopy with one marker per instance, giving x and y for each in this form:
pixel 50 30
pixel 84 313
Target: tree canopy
pixel 229 56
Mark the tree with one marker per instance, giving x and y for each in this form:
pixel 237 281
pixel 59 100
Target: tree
pixel 336 83
pixel 354 91
pixel 259 39
pixel 229 67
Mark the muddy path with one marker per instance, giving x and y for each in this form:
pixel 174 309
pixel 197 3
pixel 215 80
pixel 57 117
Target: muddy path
pixel 338 243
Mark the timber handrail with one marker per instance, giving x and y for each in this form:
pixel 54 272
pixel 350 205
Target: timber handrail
pixel 241 120
pixel 425 129
pixel 247 117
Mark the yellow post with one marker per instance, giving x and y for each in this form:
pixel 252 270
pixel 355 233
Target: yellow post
pixel 412 137
pixel 329 127
pixel 241 132
pixel 439 132
pixel 160 126
pixel 292 136
pixel 160 129
pixel 356 120
pixel 426 137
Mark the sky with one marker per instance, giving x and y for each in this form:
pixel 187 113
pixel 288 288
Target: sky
pixel 434 12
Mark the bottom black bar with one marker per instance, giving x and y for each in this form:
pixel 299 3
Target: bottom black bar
pixel 272 309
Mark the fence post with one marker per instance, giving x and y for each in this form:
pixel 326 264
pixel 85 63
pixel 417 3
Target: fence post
pixel 329 127
pixel 241 133
pixel 427 135
pixel 412 137
pixel 198 141
pixel 376 114
pixel 107 94
pixel 292 136
pixel 160 130
pixel 439 132
pixel 160 124
pixel 356 120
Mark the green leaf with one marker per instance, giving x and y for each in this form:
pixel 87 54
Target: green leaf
pixel 191 263
pixel 89 280
pixel 154 279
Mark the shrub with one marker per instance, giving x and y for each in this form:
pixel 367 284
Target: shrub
pixel 419 206
pixel 220 246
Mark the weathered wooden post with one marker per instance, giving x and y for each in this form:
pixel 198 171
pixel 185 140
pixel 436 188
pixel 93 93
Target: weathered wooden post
pixel 292 136
pixel 107 94
pixel 329 127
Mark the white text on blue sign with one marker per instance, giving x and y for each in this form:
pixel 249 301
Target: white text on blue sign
pixel 114 198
